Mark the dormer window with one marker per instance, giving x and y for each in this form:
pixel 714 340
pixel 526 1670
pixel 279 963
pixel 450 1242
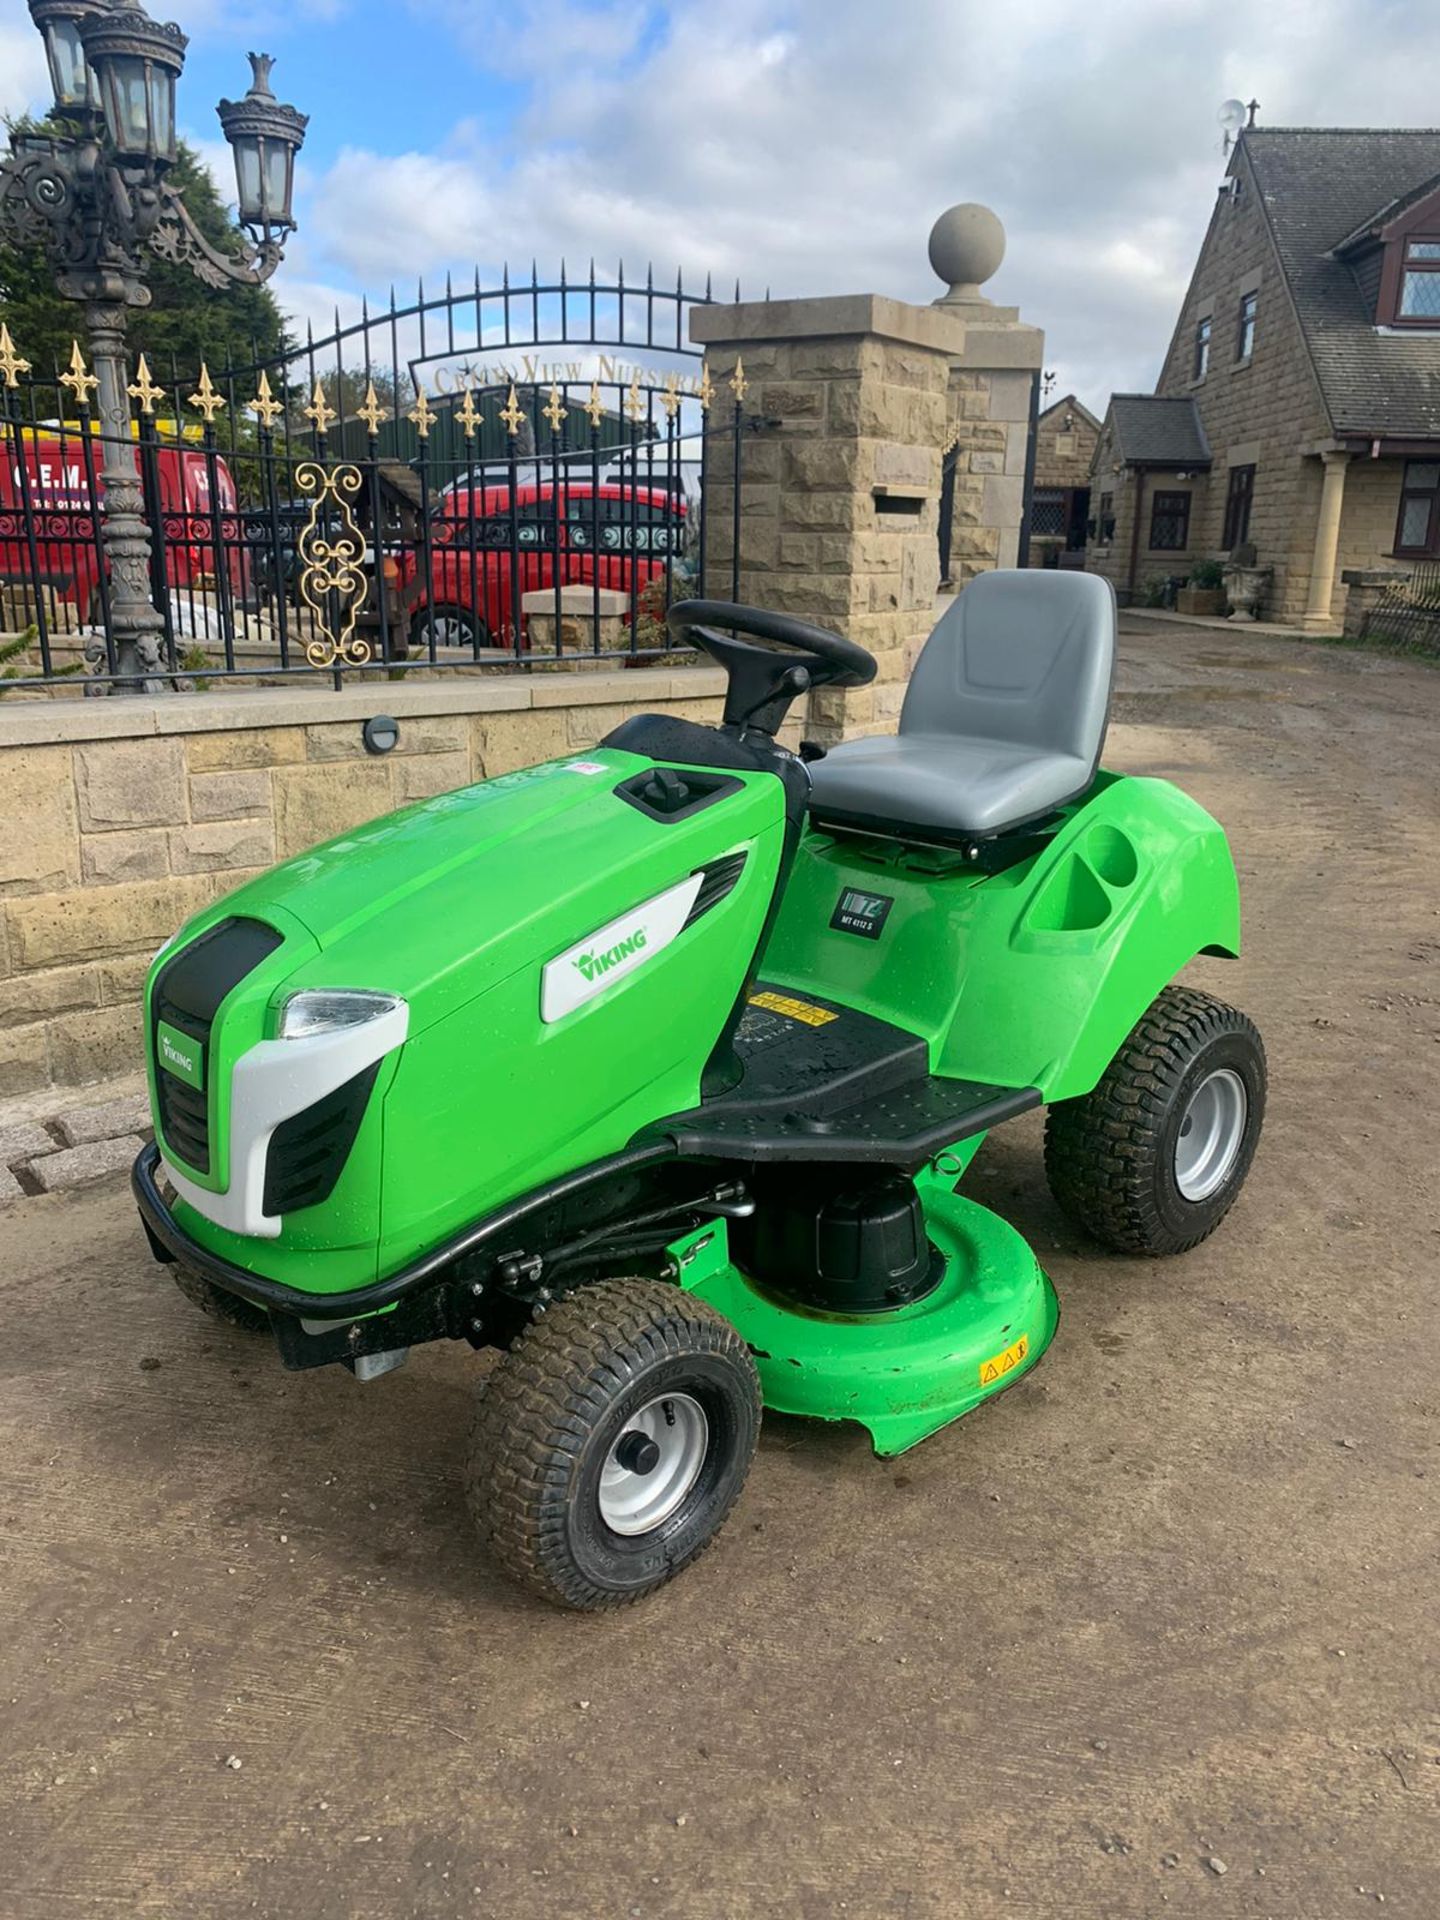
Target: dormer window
pixel 1419 301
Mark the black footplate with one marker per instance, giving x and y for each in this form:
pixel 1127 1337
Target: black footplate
pixel 825 1083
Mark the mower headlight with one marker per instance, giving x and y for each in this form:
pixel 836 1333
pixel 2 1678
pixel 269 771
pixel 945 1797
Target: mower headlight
pixel 332 1009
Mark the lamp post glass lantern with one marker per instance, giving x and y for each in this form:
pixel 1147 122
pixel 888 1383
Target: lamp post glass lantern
pixel 265 137
pixel 72 78
pixel 137 61
pixel 99 201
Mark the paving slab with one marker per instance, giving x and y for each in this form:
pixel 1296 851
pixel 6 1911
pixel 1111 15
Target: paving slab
pixel 80 1126
pixel 79 1166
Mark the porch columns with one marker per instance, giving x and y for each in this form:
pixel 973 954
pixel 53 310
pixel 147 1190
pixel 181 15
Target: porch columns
pixel 1317 617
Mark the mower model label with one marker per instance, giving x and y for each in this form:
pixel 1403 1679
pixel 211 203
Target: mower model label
pixel 999 1364
pixel 862 913
pixel 615 950
pixel 177 1053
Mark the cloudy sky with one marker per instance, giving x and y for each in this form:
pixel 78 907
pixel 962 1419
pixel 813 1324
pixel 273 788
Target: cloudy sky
pixel 803 145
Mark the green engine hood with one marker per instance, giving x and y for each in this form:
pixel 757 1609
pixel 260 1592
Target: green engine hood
pixel 442 900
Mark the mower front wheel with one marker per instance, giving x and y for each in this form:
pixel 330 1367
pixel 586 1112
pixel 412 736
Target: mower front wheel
pixel 612 1441
pixel 209 1298
pixel 1153 1159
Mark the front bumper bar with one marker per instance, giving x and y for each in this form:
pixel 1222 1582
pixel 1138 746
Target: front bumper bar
pixel 169 1241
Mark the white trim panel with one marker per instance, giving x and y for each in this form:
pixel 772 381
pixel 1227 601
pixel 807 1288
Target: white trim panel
pixel 615 950
pixel 271 1082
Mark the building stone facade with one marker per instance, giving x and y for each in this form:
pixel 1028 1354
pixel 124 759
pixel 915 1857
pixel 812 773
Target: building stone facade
pixel 1286 359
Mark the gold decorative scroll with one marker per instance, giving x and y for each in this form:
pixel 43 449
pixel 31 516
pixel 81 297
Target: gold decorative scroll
pixel 332 552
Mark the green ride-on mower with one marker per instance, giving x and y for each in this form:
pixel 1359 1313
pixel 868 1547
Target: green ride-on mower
pixel 660 1067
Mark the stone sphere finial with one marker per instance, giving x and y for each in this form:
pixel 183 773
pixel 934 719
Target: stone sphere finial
pixel 967 244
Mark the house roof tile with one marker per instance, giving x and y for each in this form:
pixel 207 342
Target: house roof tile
pixel 1321 187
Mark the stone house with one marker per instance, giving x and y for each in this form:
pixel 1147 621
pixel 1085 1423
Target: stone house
pixel 1066 434
pixel 1298 409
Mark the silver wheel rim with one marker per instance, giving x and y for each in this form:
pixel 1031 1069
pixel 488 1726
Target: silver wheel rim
pixel 634 1501
pixel 451 631
pixel 1211 1129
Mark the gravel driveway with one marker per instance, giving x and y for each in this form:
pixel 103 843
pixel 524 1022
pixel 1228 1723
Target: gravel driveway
pixel 1156 1632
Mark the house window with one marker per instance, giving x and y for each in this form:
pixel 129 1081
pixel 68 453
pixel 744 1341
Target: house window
pixel 1048 512
pixel 1202 348
pixel 1418 528
pixel 1245 336
pixel 1169 522
pixel 1238 496
pixel 1419 300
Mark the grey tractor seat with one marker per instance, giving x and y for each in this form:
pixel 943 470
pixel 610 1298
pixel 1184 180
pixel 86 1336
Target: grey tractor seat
pixel 1003 721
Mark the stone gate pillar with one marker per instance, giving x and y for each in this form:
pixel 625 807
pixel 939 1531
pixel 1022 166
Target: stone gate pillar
pixel 994 387
pixel 847 404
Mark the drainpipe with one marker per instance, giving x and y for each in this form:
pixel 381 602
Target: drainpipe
pixel 1027 509
pixel 1140 471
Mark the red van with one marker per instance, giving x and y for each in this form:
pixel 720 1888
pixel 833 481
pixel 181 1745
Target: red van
pixel 57 490
pixel 618 535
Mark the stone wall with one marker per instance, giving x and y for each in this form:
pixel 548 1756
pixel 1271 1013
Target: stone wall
pixel 125 816
pixel 990 430
pixel 847 405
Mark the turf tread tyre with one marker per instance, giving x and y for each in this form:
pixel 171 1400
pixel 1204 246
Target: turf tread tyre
pixel 548 1399
pixel 219 1304
pixel 1109 1155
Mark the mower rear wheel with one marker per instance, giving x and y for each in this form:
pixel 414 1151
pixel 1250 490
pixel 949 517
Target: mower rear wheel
pixel 220 1305
pixel 612 1441
pixel 1152 1160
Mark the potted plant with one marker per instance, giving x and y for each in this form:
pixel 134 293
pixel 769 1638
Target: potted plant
pixel 1244 582
pixel 1204 591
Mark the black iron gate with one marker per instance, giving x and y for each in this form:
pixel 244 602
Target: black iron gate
pixel 478 479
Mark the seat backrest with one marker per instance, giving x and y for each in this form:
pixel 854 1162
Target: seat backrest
pixel 1022 657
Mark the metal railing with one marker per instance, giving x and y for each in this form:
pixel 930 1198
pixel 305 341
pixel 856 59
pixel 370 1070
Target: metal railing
pixel 467 499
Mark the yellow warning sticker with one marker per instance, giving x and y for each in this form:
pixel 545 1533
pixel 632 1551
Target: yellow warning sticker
pixel 999 1364
pixel 812 1016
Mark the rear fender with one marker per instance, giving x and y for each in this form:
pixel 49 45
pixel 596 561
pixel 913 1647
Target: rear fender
pixel 1067 953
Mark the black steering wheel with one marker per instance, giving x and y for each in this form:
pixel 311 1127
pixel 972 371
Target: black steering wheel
pixel 764 679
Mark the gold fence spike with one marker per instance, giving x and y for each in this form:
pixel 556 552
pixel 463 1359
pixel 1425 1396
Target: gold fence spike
pixel 422 415
pixel 205 400
pixel 554 410
pixel 670 399
pixel 80 383
pixel 372 413
pixel 595 406
pixel 705 392
pixel 739 385
pixel 469 415
pixel 319 410
pixel 512 413
pixel 11 365
pixel 264 406
pixel 144 389
pixel 634 405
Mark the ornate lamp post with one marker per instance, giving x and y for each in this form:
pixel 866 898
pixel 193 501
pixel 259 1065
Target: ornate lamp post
pixel 98 197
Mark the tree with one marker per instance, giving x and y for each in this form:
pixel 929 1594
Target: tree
pixel 185 321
